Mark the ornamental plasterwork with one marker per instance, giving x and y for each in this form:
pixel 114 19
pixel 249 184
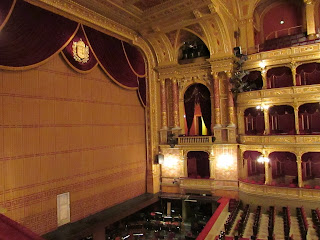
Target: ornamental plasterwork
pixel 68 7
pixel 280 139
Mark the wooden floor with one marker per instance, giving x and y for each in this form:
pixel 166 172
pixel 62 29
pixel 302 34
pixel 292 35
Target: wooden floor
pixel 98 221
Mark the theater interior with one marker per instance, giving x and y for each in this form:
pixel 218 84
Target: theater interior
pixel 159 119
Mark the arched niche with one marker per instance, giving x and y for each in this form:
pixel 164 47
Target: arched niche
pixel 308 74
pixel 284 169
pixel 198 164
pixel 310 167
pixel 309 118
pixel 278 23
pixel 254 121
pixel 197 110
pixel 281 120
pixel 255 170
pixel 254 80
pixel 279 77
pixel 191 48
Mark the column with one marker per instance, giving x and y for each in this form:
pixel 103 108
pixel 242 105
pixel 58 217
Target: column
pixel 311 27
pixel 216 93
pixel 264 78
pixel 267 168
pixel 211 165
pixel 294 73
pixel 266 121
pixel 230 102
pixel 300 181
pixel 296 119
pixel 250 36
pixel 240 115
pixel 163 97
pixel 175 95
pixel 184 160
pixel 243 166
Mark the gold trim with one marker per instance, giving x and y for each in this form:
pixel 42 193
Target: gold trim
pixel 125 54
pixel 8 15
pixel 45 60
pixel 76 69
pixel 106 72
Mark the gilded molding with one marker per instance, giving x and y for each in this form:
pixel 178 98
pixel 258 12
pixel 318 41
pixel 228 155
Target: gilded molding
pixel 69 7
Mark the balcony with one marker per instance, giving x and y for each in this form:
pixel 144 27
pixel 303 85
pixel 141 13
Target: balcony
pixel 196 140
pixel 280 192
pixel 280 139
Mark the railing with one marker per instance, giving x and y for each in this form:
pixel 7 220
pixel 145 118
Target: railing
pixel 195 140
pixel 284 32
pixel 280 192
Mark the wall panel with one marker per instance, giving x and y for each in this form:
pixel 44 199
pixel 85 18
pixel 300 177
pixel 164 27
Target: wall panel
pixel 61 131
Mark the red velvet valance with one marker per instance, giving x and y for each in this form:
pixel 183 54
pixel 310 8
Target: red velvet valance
pixel 30 35
pixel 6 7
pixel 109 53
pixel 68 53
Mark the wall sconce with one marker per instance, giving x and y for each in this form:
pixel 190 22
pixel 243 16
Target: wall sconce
pixel 225 161
pixel 263 159
pixel 262 65
pixel 262 107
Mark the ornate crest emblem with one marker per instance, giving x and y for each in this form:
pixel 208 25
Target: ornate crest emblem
pixel 80 51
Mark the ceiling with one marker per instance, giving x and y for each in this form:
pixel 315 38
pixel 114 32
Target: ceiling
pixel 145 16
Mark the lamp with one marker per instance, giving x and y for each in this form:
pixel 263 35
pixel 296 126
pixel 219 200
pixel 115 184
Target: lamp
pixel 262 107
pixel 263 159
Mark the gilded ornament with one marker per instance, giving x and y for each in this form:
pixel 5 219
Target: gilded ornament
pixel 80 51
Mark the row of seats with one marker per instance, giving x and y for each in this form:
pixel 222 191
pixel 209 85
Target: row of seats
pixel 303 223
pixel 232 218
pixel 256 223
pixel 316 220
pixel 286 222
pixel 241 225
pixel 271 214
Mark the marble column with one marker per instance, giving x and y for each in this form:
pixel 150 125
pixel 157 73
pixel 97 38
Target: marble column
pixel 216 93
pixel 230 103
pixel 175 108
pixel 299 167
pixel 311 27
pixel 163 97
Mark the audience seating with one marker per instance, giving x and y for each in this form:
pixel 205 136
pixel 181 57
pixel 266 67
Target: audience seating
pixel 316 221
pixel 241 225
pixel 256 223
pixel 271 214
pixel 232 217
pixel 303 223
pixel 286 222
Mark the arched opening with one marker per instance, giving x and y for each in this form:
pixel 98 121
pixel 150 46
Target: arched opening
pixel 254 121
pixel 255 170
pixel 281 120
pixel 197 105
pixel 198 164
pixel 254 80
pixel 279 24
pixel 279 77
pixel 311 169
pixel 192 47
pixel 284 169
pixel 308 74
pixel 309 118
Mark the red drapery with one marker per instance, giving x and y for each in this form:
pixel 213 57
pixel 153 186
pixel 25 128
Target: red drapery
pixel 31 35
pixel 198 93
pixel 279 77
